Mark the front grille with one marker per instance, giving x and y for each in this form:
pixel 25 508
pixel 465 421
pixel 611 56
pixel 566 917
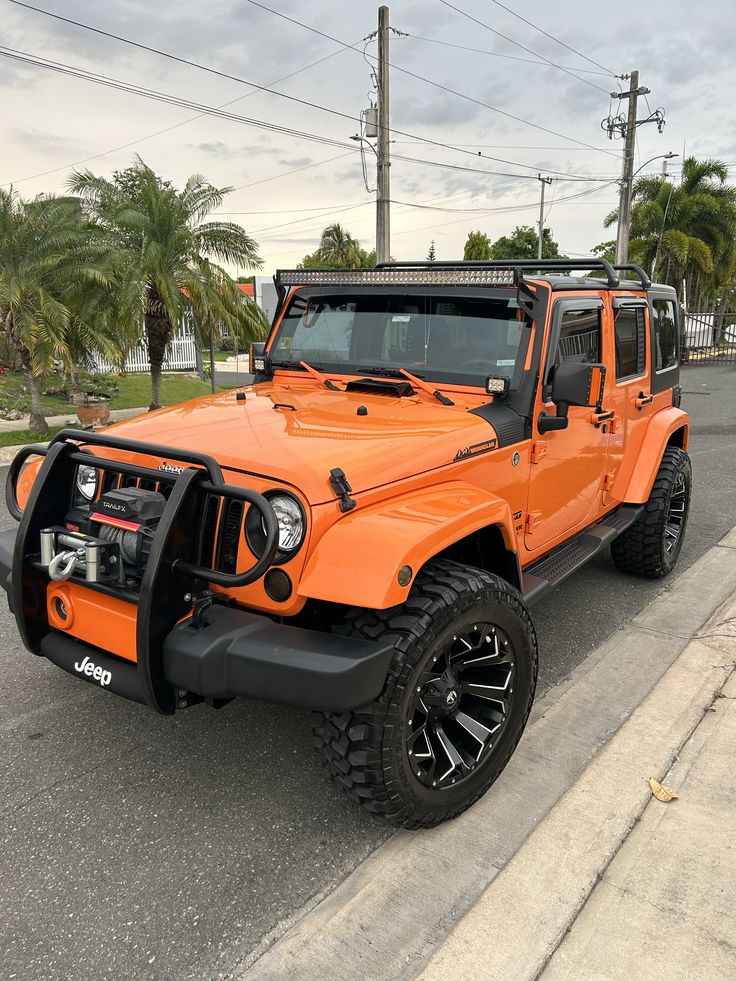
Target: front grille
pixel 209 530
pixel 221 521
pixel 231 521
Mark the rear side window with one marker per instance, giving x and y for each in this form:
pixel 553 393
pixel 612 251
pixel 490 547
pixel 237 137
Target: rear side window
pixel 629 327
pixel 664 333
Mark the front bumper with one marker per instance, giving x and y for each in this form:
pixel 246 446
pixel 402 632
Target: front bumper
pixel 228 651
pixel 231 653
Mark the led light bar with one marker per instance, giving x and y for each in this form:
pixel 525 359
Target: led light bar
pixel 457 276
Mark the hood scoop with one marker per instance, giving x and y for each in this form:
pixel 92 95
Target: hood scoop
pixel 380 386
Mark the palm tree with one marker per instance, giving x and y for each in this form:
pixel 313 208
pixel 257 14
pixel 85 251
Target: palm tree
pixel 687 231
pixel 168 255
pixel 338 248
pixel 48 259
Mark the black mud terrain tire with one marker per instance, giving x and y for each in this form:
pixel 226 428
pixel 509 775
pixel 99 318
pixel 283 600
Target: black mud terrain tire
pixel 651 546
pixel 458 693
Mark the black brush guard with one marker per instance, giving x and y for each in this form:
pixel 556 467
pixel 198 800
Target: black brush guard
pixel 222 654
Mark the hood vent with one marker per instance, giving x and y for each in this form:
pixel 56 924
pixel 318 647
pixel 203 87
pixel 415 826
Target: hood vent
pixel 380 386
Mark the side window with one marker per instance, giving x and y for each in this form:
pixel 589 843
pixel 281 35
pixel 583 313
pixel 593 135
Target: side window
pixel 580 337
pixel 664 334
pixel 629 328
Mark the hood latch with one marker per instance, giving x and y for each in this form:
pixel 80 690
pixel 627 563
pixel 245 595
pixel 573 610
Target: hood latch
pixel 341 486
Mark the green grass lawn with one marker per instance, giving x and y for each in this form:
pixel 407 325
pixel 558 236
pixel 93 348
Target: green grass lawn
pixel 128 392
pixel 18 436
pixel 135 390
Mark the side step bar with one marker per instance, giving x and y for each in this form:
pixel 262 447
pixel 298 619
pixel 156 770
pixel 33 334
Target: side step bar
pixel 540 577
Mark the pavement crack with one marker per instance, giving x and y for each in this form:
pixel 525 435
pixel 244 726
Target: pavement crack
pixel 626 891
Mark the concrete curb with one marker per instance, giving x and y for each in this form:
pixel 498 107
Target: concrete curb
pixel 540 893
pixel 386 919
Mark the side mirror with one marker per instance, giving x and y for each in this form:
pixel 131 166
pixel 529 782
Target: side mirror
pixel 573 383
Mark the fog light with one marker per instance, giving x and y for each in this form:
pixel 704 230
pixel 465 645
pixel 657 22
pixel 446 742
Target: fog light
pixel 278 585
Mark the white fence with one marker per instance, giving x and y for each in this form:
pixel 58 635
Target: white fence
pixel 181 354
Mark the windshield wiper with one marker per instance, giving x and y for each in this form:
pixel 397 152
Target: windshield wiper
pixel 415 379
pixel 314 372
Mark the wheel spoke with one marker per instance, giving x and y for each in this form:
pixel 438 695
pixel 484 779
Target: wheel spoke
pixel 476 729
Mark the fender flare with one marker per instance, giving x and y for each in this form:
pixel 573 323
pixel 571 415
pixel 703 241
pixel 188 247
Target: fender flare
pixel 658 434
pixel 357 560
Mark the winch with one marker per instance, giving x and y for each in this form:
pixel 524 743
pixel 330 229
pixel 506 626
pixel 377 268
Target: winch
pixel 107 541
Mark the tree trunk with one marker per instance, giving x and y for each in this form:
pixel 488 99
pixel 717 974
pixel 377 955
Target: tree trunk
pixel 158 334
pixel 37 421
pixel 720 317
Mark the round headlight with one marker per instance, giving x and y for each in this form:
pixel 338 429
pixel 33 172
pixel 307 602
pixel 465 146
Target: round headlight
pixel 291 521
pixel 87 478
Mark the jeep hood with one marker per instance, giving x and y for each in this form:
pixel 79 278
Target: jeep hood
pixel 296 432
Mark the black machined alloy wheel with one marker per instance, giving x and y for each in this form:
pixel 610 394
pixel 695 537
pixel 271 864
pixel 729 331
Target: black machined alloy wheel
pixel 455 703
pixel 461 705
pixel 651 546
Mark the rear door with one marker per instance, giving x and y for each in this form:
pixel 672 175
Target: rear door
pixel 568 466
pixel 633 400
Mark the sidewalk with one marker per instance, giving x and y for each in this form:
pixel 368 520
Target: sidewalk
pixel 568 865
pixel 7 453
pixel 8 425
pixel 614 884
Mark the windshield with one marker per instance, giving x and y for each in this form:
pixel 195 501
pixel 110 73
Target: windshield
pixel 455 337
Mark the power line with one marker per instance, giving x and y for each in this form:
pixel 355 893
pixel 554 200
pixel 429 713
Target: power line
pixel 430 81
pixel 282 95
pixel 506 210
pixel 498 54
pixel 169 99
pixel 523 47
pixel 476 170
pixel 296 170
pixel 552 37
pixel 184 122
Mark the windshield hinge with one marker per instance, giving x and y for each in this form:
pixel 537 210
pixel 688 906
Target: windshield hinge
pixel 341 486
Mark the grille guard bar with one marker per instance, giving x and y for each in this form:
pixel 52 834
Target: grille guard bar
pixel 172 571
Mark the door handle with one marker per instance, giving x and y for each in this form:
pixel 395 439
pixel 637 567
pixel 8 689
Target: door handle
pixel 597 418
pixel 643 400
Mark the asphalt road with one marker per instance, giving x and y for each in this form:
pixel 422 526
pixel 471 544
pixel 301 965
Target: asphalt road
pixel 133 846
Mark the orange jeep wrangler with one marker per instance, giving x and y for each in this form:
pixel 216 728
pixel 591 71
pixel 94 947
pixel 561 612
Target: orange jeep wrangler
pixel 425 450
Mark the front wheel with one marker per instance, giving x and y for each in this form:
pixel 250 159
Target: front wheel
pixel 456 699
pixel 651 546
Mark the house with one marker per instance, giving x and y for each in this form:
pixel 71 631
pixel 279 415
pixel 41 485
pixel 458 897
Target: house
pixel 182 354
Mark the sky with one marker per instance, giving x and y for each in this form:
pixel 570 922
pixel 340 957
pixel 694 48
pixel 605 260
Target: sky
pixel 462 160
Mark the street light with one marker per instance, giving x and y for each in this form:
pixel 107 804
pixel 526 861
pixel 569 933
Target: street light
pixel 660 156
pixel 625 201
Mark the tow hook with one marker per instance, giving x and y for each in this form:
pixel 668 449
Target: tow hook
pixel 201 602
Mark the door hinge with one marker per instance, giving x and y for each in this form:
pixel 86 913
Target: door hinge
pixel 539 450
pixel 533 521
pixel 608 480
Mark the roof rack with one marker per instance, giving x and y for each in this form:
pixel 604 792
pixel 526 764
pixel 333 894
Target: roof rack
pixel 632 266
pixel 523 265
pixel 493 272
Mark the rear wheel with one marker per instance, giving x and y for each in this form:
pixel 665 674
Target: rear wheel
pixel 651 546
pixel 456 700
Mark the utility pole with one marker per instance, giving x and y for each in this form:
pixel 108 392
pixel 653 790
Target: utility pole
pixel 383 181
pixel 543 181
pixel 627 168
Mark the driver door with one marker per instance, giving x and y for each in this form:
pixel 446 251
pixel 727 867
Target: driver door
pixel 568 465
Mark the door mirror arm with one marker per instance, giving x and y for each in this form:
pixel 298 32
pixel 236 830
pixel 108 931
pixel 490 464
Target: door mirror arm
pixel 547 423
